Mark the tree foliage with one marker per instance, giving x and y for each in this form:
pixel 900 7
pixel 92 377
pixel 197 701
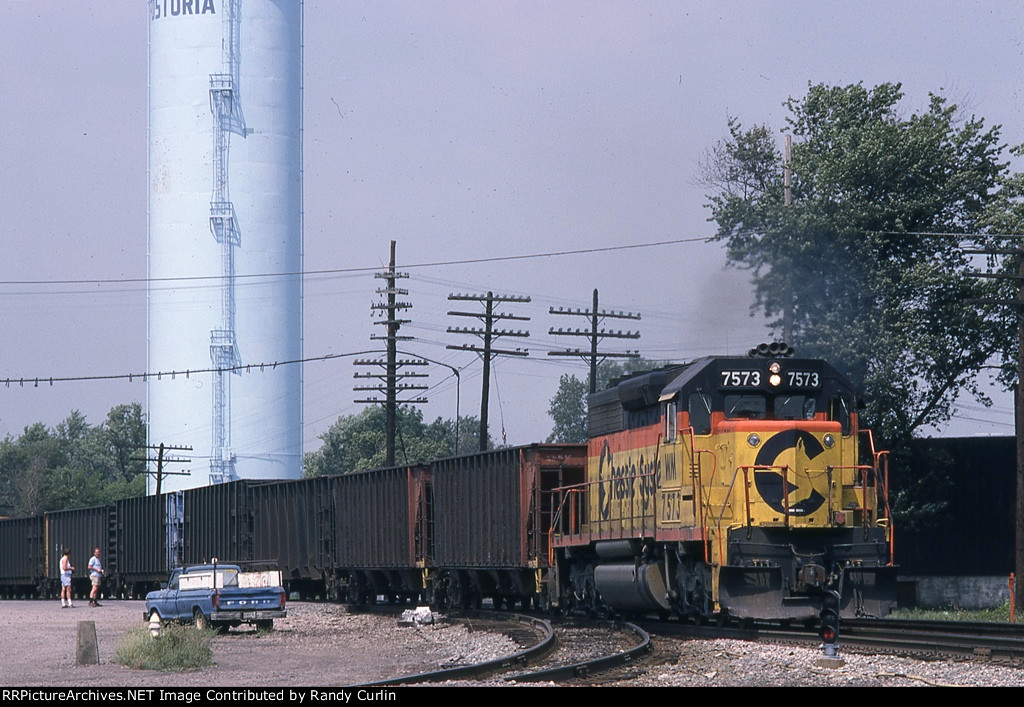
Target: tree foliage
pixel 357 442
pixel 860 257
pixel 568 408
pixel 1004 219
pixel 74 464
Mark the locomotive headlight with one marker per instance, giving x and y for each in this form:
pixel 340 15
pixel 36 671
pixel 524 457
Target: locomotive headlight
pixel 753 440
pixel 774 380
pixel 828 441
pixel 774 367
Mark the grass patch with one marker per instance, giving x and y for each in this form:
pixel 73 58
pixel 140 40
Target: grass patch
pixel 178 648
pixel 999 614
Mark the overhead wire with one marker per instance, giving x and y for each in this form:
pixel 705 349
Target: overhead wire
pixel 353 270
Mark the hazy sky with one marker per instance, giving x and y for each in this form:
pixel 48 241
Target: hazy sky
pixel 464 131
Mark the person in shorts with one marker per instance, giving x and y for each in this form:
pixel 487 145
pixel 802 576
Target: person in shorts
pixel 66 568
pixel 96 575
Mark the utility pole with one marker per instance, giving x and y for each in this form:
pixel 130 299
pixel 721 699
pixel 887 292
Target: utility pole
pixel 596 316
pixel 787 182
pixel 160 460
pixel 488 334
pixel 1018 403
pixel 389 379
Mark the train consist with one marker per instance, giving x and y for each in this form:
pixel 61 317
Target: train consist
pixel 729 485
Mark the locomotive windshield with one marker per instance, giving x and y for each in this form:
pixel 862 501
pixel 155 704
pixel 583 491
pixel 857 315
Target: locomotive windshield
pixel 746 407
pixel 783 407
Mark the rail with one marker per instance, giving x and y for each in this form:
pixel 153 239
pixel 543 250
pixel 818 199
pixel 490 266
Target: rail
pixel 545 644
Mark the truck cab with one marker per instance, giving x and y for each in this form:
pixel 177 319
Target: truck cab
pixel 219 596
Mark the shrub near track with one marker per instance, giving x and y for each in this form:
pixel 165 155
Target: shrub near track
pixel 178 648
pixel 998 614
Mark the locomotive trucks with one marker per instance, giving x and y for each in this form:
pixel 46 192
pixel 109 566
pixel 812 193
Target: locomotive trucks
pixel 218 596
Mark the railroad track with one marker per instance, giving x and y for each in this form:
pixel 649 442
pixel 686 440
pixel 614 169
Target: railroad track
pixel 997 642
pixel 926 640
pixel 574 650
pixel 590 648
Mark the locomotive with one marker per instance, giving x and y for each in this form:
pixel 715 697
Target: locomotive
pixel 735 485
pixel 738 486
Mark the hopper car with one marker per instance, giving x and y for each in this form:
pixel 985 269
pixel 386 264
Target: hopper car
pixel 739 486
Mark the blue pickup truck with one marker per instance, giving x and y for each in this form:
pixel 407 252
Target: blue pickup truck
pixel 219 596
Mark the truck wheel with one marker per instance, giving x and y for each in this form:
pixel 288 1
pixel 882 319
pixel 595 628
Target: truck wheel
pixel 265 625
pixel 202 622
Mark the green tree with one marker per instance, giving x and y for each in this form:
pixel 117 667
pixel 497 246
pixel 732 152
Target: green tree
pixel 1005 215
pixel 568 408
pixel 74 464
pixel 858 260
pixel 356 442
pixel 124 436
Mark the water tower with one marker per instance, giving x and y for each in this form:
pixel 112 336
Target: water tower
pixel 225 237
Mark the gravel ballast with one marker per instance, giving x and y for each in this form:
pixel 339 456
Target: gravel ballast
pixel 325 645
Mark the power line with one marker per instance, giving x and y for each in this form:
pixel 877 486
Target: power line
pixel 160 375
pixel 341 271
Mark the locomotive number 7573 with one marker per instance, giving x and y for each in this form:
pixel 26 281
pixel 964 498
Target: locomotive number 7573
pixel 803 379
pixel 741 379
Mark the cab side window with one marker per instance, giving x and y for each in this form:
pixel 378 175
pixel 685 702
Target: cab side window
pixel 839 410
pixel 670 421
pixel 700 413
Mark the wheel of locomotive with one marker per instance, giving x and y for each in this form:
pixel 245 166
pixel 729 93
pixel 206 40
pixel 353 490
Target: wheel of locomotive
pixel 202 623
pixel 594 607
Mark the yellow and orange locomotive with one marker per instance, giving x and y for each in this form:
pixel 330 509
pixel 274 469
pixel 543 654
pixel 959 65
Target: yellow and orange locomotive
pixel 740 486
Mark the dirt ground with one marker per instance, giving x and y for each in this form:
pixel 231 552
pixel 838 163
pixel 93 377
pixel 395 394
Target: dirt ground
pixel 317 645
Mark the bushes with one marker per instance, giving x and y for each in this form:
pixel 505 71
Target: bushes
pixel 178 648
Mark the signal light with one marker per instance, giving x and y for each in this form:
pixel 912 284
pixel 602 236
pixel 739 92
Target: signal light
pixel 829 629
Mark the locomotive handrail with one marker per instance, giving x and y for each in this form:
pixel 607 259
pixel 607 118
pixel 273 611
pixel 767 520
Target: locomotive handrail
pixel 585 486
pixel 725 503
pixel 864 470
pixel 882 458
pixel 568 494
pixel 703 505
pixel 880 461
pixel 785 486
